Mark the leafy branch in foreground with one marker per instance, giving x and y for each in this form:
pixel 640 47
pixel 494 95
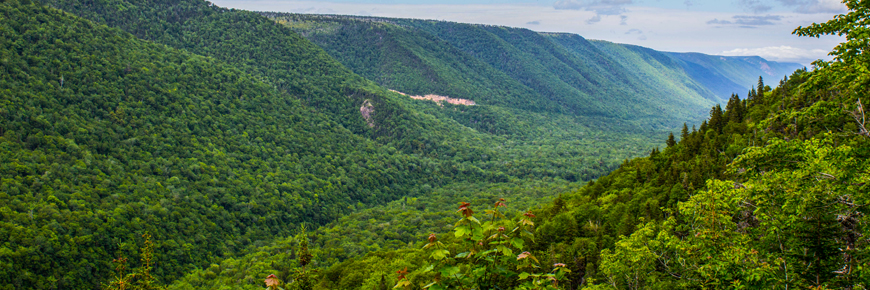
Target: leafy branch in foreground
pixel 849 71
pixel 489 255
pixel 141 279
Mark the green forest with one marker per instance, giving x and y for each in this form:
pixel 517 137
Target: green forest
pixel 181 145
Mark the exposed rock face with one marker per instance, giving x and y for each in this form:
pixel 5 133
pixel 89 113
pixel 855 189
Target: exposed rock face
pixel 366 110
pixel 438 99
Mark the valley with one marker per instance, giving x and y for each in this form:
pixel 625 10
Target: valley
pixel 221 146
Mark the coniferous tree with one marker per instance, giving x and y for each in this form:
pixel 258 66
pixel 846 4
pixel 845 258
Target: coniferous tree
pixel 717 121
pixel 685 132
pixel 751 97
pixel 671 142
pixel 734 110
pixel 760 86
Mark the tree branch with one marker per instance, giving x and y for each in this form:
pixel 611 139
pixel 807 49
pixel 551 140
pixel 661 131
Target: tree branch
pixel 860 118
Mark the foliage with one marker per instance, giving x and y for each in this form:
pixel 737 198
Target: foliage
pixel 504 67
pixel 222 156
pixel 848 71
pixel 488 254
pixel 142 277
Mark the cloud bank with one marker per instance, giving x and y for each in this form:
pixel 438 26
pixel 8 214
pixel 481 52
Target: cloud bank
pixel 668 29
pixel 782 53
pixel 748 21
pixel 815 6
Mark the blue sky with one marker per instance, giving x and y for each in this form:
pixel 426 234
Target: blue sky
pixel 726 27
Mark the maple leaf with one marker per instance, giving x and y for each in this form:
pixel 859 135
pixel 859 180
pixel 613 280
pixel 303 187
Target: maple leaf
pixel 523 255
pixel 465 209
pixel 402 273
pixel 272 281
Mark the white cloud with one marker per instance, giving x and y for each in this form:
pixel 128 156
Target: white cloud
pixel 747 21
pixel 678 30
pixel 780 53
pixel 594 19
pixel 601 7
pixel 755 6
pixel 815 6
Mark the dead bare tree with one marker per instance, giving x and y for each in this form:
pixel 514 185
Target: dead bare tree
pixel 858 114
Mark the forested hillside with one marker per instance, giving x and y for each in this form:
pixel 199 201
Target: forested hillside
pixel 200 139
pixel 510 68
pixel 768 193
pixel 107 137
pixel 534 72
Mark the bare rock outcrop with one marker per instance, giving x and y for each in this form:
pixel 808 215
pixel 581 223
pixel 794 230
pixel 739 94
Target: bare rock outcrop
pixel 366 110
pixel 439 99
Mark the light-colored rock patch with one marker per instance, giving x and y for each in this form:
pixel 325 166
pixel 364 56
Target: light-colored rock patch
pixel 438 99
pixel 366 110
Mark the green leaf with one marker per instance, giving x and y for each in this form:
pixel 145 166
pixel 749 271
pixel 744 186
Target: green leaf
pixel 449 271
pixel 506 251
pixel 429 268
pixel 524 275
pixel 440 254
pixel 461 231
pixel 517 243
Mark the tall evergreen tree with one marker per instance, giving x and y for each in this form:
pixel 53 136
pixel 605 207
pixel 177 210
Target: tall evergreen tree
pixel 760 86
pixel 734 109
pixel 717 120
pixel 685 132
pixel 750 97
pixel 671 142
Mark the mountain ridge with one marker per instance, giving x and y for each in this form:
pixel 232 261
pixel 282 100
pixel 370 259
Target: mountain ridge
pixel 558 72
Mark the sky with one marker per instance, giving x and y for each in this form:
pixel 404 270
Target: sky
pixel 719 27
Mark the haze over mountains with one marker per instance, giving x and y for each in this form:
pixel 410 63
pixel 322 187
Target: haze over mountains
pixel 222 131
pixel 539 72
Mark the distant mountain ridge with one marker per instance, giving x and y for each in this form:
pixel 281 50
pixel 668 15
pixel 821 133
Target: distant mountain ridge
pixel 539 71
pixel 218 131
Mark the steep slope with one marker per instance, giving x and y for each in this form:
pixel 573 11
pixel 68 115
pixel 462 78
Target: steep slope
pixel 760 185
pixel 496 66
pixel 281 58
pixel 714 77
pixel 554 72
pixel 105 136
pixel 407 60
pixel 534 72
pixel 724 75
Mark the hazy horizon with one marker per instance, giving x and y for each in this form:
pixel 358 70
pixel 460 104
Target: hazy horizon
pixel 731 28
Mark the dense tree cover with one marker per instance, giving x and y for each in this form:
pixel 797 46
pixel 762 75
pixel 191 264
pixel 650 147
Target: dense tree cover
pixel 105 136
pixel 769 192
pixel 751 202
pixel 725 75
pixel 376 231
pixel 499 66
pixel 300 69
pixel 283 59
